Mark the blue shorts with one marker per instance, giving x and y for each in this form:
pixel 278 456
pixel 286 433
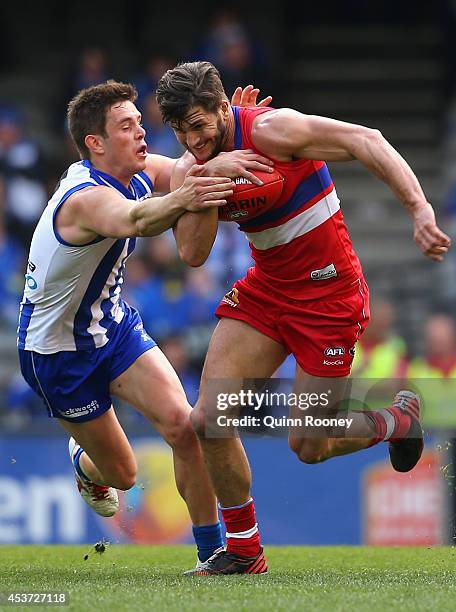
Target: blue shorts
pixel 74 385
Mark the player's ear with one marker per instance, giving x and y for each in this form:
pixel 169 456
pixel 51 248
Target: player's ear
pixel 225 108
pixel 94 143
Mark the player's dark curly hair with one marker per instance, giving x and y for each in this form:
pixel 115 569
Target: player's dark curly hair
pixel 187 85
pixel 87 110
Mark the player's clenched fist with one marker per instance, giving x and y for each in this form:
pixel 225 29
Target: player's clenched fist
pixel 429 238
pixel 202 192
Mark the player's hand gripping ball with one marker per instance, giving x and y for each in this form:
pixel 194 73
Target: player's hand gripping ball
pixel 250 200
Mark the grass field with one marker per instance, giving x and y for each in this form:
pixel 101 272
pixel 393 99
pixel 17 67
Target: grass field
pixel 300 578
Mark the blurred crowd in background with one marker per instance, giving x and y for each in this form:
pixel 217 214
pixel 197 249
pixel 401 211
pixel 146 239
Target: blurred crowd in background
pixel 176 302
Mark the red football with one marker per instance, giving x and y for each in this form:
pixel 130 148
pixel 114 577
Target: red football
pixel 250 200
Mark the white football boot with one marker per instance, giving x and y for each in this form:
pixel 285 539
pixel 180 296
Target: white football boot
pixel 104 500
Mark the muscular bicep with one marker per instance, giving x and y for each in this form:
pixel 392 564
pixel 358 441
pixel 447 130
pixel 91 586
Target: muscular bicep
pixel 294 135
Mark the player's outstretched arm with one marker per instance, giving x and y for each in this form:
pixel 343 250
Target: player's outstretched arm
pixel 196 194
pixel 288 135
pixel 99 211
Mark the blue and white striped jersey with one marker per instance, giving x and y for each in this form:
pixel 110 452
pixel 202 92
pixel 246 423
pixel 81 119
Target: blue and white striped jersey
pixel 72 293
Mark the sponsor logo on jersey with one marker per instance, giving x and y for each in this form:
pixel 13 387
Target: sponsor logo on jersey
pixel 31 266
pixel 232 297
pixel 139 327
pixel 337 362
pixel 352 351
pixel 30 282
pixel 334 351
pixel 324 273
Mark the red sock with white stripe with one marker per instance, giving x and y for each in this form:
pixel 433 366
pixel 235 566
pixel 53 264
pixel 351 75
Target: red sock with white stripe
pixel 390 424
pixel 242 535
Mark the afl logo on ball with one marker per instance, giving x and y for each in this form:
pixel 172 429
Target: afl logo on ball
pixel 239 213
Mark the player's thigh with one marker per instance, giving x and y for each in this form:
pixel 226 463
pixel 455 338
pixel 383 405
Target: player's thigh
pixel 238 354
pixel 239 350
pixel 152 386
pixel 320 397
pixel 105 442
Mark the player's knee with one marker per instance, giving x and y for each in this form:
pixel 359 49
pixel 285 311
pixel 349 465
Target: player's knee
pixel 198 420
pixel 178 430
pixel 308 453
pixel 311 456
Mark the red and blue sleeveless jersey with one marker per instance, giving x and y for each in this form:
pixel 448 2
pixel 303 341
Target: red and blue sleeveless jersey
pixel 300 245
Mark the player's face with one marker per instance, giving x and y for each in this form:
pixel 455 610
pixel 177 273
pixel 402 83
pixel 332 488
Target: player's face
pixel 125 150
pixel 201 132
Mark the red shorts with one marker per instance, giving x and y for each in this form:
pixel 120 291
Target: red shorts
pixel 321 334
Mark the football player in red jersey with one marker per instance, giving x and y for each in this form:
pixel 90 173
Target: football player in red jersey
pixel 305 295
